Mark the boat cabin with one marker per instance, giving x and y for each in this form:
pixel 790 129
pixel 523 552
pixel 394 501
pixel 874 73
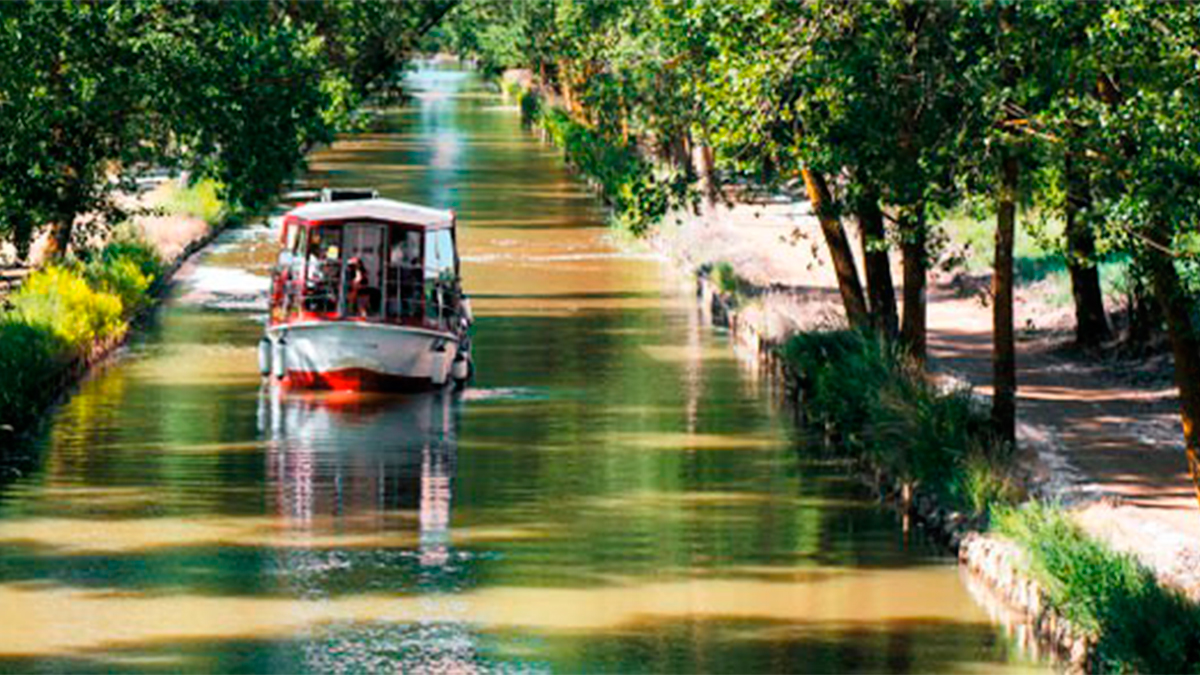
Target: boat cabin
pixel 372 260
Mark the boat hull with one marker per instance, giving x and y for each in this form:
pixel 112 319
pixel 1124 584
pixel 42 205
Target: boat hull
pixel 359 356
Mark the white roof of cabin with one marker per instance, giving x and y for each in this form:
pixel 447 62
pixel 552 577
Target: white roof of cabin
pixel 375 209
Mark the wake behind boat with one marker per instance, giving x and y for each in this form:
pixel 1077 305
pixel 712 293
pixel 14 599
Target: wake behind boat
pixel 367 296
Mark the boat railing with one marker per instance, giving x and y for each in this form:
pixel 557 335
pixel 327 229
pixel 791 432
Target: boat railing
pixel 436 305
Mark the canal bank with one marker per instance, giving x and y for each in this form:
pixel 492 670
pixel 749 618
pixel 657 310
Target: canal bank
pixel 68 317
pixel 615 493
pixel 759 278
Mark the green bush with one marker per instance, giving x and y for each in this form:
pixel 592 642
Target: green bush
pixel 639 194
pixel 30 357
pixel 127 269
pixel 60 300
pixel 725 278
pixel 880 405
pixel 1140 626
pixel 201 200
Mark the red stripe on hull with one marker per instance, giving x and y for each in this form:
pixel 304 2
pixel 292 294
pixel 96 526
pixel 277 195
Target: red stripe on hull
pixel 355 379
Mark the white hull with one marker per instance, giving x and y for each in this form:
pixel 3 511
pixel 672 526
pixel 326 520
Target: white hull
pixel 349 354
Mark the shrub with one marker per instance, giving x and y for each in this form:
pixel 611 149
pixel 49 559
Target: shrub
pixel 30 357
pixel 879 404
pixel 124 279
pixel 1140 626
pixel 725 278
pixel 60 300
pixel 201 200
pixel 125 268
pixel 639 194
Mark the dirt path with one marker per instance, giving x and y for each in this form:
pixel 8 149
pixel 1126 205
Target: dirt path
pixel 1091 436
pixel 1094 440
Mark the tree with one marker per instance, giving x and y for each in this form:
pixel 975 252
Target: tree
pixel 75 99
pixel 256 97
pixel 1146 130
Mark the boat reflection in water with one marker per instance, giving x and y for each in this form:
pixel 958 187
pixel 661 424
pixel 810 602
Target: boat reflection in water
pixel 354 475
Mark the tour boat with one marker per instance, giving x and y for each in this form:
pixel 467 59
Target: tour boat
pixel 367 296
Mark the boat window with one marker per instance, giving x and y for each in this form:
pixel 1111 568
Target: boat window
pixel 404 275
pixel 323 268
pixel 439 255
pixel 439 275
pixel 362 288
pixel 294 253
pixel 291 267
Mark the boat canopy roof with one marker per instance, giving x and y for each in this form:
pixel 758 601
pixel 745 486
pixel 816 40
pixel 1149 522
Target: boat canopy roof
pixel 385 210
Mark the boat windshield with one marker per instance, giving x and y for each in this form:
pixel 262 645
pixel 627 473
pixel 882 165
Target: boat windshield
pixel 370 271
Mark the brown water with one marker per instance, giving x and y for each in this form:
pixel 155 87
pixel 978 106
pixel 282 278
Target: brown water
pixel 616 493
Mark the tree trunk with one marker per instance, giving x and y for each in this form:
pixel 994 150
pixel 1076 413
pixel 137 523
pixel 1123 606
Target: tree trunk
pixel 878 268
pixel 1091 321
pixel 839 249
pixel 702 164
pixel 60 237
pixel 912 250
pixel 1004 354
pixel 1185 345
pixel 567 86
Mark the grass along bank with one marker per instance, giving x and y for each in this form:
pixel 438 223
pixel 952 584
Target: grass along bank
pixel 872 402
pixel 875 405
pixel 1137 624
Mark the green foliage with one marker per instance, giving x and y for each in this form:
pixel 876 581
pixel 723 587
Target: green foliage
pixel 126 269
pixel 30 357
pixel 639 194
pixel 76 93
pixel 201 200
pixel 59 300
pixel 1140 625
pixel 237 92
pixel 60 312
pixel 881 405
pixel 499 34
pixel 726 278
pixel 133 250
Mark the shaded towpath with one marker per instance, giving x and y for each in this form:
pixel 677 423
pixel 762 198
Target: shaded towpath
pixel 1105 441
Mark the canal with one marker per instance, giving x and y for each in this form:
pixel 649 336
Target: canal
pixel 615 492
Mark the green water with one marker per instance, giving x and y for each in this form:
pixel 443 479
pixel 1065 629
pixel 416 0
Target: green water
pixel 615 493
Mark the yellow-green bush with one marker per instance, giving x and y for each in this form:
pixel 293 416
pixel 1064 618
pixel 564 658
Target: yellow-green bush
pixel 202 200
pixel 126 268
pixel 59 313
pixel 124 279
pixel 60 300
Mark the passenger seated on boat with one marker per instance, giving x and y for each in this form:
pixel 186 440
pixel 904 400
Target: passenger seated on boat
pixel 322 273
pixel 363 299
